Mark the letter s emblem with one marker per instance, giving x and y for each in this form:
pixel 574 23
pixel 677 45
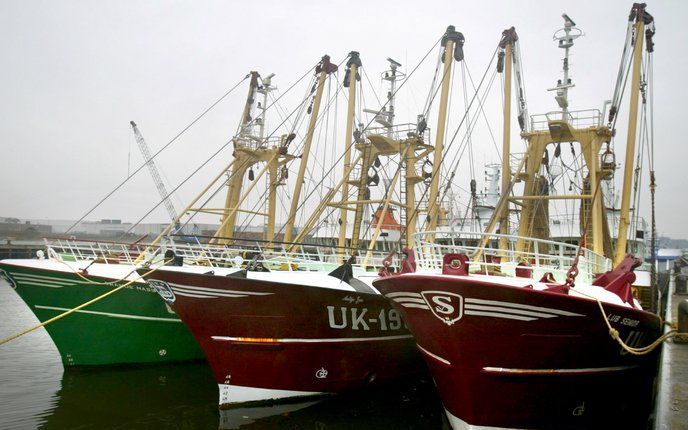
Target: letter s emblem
pixel 443 304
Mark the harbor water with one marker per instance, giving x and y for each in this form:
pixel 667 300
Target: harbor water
pixel 36 392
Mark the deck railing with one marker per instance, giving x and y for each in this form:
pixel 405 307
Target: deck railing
pixel 539 255
pixel 400 131
pixel 578 119
pixel 238 253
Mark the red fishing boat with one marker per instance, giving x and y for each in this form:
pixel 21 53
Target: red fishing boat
pixel 278 335
pixel 298 320
pixel 520 331
pixel 522 353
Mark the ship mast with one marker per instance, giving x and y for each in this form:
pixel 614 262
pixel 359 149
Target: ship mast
pixel 555 128
pixel 509 38
pixel 642 18
pixel 239 168
pixel 590 134
pixel 453 48
pixel 565 42
pixel 350 79
pixel 323 70
pixel 250 149
pixel 405 141
pixel 370 153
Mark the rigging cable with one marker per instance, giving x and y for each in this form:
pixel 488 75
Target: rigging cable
pixel 451 142
pixel 353 142
pixel 482 110
pixel 156 154
pixel 463 144
pixel 214 155
pixel 331 100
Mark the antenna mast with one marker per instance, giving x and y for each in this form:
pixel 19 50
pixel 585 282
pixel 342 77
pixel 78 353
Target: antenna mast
pixel 565 36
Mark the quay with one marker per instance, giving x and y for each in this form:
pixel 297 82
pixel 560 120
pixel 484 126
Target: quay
pixel 20 248
pixel 672 396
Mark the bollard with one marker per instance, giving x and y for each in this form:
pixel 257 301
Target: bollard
pixel 683 316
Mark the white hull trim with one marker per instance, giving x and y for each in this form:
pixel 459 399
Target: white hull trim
pixel 108 314
pixel 232 394
pixel 436 357
pixel 321 340
pixel 50 279
pixel 216 291
pixel 38 284
pixel 457 423
pixel 585 371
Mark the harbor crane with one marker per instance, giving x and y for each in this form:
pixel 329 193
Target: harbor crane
pixel 159 184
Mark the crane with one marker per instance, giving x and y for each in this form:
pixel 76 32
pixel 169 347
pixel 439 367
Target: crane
pixel 143 146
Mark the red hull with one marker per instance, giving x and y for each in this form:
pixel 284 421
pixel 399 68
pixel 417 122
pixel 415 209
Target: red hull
pixel 268 340
pixel 511 357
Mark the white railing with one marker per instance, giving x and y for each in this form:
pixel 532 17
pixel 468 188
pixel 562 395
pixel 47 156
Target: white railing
pixel 99 251
pixel 254 143
pixel 541 255
pixel 578 119
pixel 274 256
pixel 400 131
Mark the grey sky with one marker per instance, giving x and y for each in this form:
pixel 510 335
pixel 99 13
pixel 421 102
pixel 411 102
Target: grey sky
pixel 74 74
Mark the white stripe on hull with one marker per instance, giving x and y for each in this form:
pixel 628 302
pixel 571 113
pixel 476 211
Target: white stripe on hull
pixel 409 300
pixel 108 314
pixel 38 284
pixel 484 308
pixel 501 309
pixel 509 371
pixel 413 305
pixel 498 315
pixel 49 278
pixel 192 292
pixel 232 394
pixel 522 307
pixel 435 356
pixel 195 296
pixel 217 290
pixel 31 279
pixel 402 294
pixel 320 340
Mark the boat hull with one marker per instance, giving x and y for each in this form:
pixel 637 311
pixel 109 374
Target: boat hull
pixel 132 326
pixel 510 357
pixel 273 340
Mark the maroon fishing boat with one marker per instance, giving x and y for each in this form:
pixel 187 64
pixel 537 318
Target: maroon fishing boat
pixel 287 334
pixel 513 352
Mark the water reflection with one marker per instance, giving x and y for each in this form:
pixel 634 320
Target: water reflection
pixel 242 417
pixel 35 392
pixel 30 366
pixel 185 397
pixel 409 405
pixel 170 397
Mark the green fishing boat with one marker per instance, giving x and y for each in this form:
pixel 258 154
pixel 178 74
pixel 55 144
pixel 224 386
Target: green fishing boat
pixel 131 326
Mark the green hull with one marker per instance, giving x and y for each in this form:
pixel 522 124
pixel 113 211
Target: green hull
pixel 132 326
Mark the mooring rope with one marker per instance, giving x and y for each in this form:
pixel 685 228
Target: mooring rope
pixel 614 333
pixel 85 270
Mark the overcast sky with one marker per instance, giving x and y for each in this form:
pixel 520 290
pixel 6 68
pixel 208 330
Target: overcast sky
pixel 74 74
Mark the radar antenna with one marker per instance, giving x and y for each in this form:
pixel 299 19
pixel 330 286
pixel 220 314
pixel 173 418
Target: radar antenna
pixel 565 37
